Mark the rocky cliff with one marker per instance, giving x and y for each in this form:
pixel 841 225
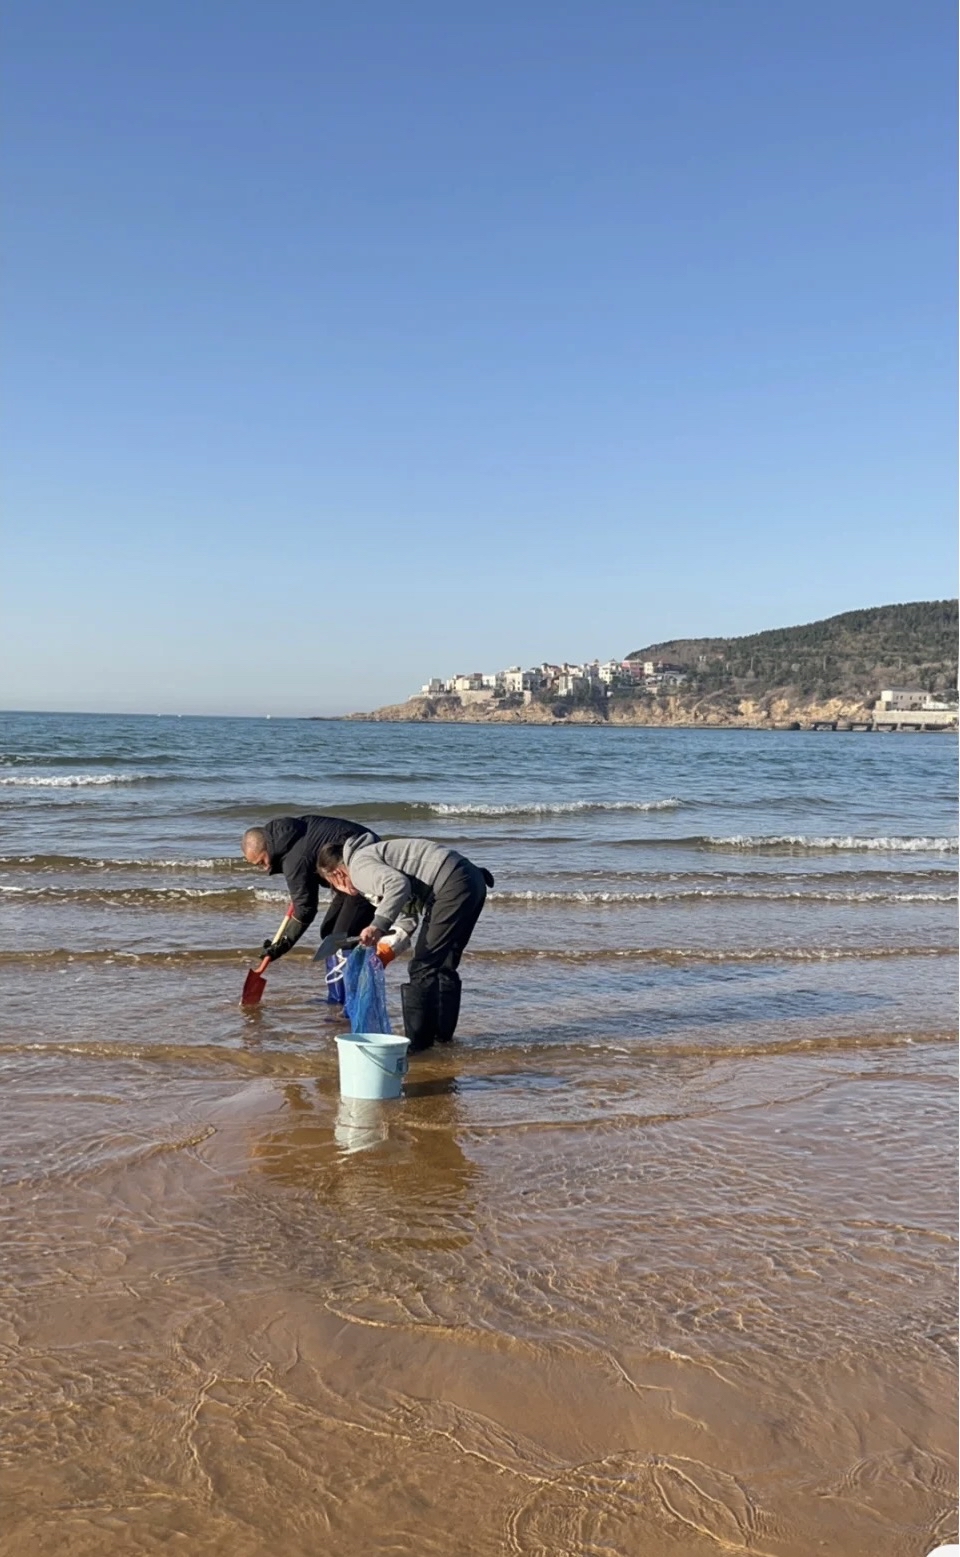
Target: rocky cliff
pixel 718 710
pixel 821 672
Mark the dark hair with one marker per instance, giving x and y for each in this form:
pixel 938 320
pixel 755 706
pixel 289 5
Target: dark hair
pixel 329 857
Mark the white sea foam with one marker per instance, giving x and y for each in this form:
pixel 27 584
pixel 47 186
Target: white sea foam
pixel 73 863
pixel 700 893
pixel 771 953
pixel 800 841
pixel 223 864
pixel 126 894
pixel 227 863
pixel 556 808
pixel 72 780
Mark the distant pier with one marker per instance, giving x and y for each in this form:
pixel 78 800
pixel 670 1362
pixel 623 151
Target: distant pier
pixel 890 721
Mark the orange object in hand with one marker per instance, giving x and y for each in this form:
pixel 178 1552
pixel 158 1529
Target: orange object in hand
pixel 385 952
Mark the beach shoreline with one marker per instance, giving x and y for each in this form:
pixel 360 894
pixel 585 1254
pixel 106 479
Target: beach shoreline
pixel 659 1256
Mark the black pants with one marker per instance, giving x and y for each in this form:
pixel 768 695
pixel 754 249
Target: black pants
pixel 346 915
pixel 431 1000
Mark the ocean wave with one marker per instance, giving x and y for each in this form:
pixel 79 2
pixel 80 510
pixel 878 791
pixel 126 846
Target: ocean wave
pixel 681 954
pixel 200 957
pixel 379 811
pixel 147 897
pixel 53 759
pixel 867 872
pixel 73 780
pixel 245 898
pixel 801 841
pixel 67 863
pixel 790 843
pixel 374 776
pixel 550 808
pixel 622 899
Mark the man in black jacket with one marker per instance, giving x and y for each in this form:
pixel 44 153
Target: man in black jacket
pixel 290 844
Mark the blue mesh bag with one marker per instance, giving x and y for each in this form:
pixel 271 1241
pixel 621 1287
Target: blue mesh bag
pixel 366 992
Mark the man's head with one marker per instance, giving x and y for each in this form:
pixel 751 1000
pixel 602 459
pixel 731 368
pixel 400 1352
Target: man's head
pixel 255 849
pixel 331 867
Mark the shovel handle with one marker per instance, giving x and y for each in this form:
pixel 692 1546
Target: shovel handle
pixel 286 920
pixel 264 965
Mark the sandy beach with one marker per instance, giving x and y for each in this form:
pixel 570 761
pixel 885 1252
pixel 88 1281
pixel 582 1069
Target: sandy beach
pixel 660 1257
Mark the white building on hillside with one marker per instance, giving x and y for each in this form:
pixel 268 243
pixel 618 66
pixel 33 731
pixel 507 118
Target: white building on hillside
pixel 908 699
pixel 570 681
pixel 517 680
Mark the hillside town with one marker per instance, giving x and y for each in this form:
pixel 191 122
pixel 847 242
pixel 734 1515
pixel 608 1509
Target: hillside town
pixel 566 680
pixel 884 668
pixel 482 695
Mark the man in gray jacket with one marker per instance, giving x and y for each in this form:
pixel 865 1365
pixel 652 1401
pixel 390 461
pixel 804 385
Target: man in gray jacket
pixel 406 880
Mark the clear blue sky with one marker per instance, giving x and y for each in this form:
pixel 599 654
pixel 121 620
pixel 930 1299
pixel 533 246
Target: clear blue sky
pixel 346 345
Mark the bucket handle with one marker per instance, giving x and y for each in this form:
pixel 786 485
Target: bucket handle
pixel 388 1070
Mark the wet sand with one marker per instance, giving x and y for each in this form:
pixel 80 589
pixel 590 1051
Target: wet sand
pixel 659 1258
pixel 492 1317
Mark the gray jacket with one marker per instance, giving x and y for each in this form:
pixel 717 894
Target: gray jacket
pixel 397 875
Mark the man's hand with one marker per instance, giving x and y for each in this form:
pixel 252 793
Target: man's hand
pixel 274 949
pixel 397 941
pixel 391 945
pixel 370 936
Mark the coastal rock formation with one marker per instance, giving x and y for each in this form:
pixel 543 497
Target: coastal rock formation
pixel 824 672
pixel 718 710
pixel 451 710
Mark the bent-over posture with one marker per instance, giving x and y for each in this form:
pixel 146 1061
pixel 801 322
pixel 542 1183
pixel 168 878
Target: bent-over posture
pixel 406 880
pixel 291 844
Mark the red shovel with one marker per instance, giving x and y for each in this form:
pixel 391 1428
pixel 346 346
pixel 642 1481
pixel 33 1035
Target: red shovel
pixel 254 984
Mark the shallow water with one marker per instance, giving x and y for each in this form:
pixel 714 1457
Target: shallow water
pixel 659 1257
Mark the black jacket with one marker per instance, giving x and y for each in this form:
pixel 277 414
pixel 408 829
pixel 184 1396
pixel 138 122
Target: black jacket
pixel 293 843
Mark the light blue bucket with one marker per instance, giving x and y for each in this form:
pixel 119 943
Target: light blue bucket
pixel 372 1065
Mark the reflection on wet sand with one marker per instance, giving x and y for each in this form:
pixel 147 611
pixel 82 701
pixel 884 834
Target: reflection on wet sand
pixel 392 1179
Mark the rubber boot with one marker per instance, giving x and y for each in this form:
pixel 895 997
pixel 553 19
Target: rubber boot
pixel 419 1002
pixel 449 1011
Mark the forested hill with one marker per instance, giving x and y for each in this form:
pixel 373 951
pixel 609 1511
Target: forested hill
pixel 855 654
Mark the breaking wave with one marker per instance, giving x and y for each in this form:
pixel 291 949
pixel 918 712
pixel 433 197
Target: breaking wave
pixel 792 843
pixel 73 780
pixel 412 810
pixel 68 863
pixel 799 841
pixel 554 808
pixel 244 897
pixel 698 894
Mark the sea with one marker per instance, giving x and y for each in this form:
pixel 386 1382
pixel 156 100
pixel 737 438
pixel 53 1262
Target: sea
pixel 659 1256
